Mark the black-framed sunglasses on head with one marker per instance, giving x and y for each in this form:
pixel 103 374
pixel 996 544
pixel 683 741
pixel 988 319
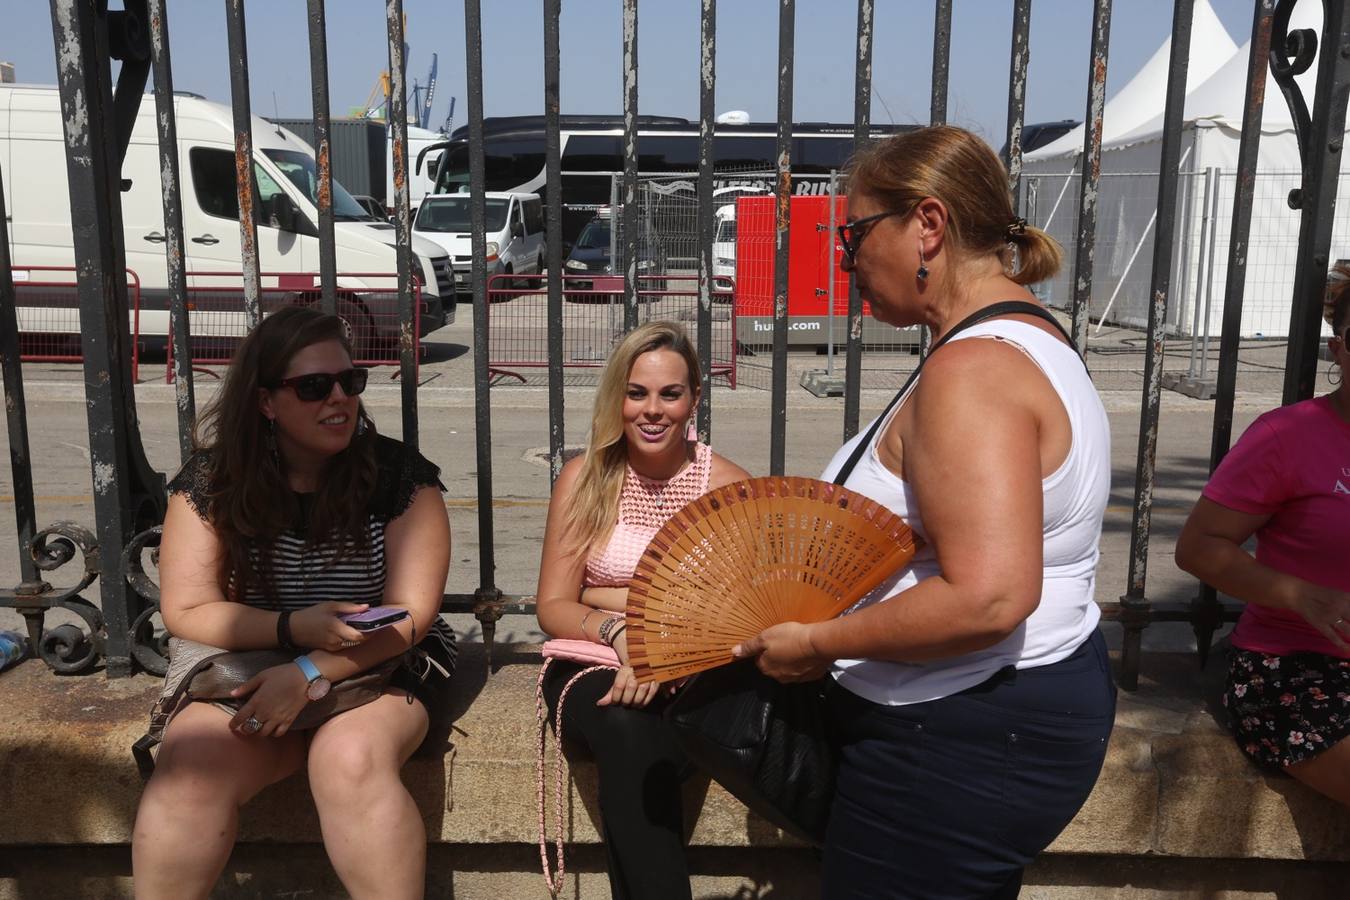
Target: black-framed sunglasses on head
pixel 319 385
pixel 851 234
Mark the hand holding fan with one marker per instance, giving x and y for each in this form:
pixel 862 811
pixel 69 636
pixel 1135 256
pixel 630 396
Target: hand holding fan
pixel 753 554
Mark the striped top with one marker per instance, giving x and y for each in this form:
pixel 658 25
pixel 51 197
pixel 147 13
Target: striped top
pixel 307 571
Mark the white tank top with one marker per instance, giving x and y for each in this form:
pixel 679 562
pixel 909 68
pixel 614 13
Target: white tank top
pixel 1075 502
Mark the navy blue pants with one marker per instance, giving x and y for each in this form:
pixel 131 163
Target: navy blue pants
pixel 952 798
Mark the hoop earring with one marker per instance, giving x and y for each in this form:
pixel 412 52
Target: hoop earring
pixel 923 269
pixel 1335 370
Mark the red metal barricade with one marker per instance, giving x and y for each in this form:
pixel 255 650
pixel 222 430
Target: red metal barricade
pixel 592 321
pixel 48 308
pixel 218 322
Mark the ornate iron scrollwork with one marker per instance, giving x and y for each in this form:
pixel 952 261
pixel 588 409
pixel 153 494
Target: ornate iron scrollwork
pixel 1292 54
pixel 67 649
pixel 148 645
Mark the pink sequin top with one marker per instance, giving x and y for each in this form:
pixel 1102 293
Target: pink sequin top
pixel 644 506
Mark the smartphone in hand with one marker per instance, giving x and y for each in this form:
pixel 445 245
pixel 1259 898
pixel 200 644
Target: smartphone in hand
pixel 375 618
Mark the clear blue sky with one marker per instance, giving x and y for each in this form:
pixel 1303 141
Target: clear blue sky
pixel 747 32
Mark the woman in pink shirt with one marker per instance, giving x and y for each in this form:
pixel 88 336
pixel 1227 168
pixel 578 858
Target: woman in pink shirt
pixel 640 467
pixel 1287 481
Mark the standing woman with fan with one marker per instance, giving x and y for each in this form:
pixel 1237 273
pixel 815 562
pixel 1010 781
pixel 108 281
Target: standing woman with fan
pixel 973 696
pixel 639 468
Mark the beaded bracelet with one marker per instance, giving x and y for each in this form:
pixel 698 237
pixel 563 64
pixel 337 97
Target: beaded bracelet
pixel 607 628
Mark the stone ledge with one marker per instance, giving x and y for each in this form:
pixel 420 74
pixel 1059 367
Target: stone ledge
pixel 1173 784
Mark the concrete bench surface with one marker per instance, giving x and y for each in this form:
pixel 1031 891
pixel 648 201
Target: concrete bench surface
pixel 1174 785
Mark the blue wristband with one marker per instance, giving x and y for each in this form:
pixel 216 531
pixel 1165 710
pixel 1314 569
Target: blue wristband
pixel 312 673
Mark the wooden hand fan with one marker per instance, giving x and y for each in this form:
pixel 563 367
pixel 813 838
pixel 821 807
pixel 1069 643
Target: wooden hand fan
pixel 753 554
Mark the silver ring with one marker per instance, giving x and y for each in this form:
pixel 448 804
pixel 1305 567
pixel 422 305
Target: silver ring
pixel 347 643
pixel 1340 620
pixel 251 725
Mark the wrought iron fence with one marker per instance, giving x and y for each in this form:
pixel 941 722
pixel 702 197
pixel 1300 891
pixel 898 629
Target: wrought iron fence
pixel 129 495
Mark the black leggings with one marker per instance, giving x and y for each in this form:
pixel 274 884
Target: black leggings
pixel 952 798
pixel 641 768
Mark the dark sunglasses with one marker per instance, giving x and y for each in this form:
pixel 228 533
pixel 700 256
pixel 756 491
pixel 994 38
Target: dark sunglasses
pixel 851 234
pixel 320 384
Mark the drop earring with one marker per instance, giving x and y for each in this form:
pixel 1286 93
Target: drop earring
pixel 922 271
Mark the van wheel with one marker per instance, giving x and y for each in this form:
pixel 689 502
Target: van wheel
pixel 360 331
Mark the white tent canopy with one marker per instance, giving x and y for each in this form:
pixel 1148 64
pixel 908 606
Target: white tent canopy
pixel 1142 96
pixel 1127 198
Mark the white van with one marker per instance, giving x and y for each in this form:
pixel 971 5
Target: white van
pixel 724 242
pixel 515 232
pixel 33 161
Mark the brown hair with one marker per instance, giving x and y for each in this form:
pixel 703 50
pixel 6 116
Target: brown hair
pixel 595 497
pixel 1336 301
pixel 249 502
pixel 954 166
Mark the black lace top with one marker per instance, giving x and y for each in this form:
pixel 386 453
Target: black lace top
pixel 306 570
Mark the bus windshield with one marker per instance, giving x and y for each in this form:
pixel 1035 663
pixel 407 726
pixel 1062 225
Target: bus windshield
pixel 300 171
pixel 451 214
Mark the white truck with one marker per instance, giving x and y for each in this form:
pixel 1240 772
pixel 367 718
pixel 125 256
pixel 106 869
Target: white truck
pixel 33 163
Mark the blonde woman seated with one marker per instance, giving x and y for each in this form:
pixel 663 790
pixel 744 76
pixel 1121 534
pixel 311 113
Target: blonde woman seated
pixel 638 470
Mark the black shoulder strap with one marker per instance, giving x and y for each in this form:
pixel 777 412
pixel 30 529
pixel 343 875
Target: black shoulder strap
pixel 993 311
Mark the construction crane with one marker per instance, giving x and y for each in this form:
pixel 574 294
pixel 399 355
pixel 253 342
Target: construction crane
pixel 422 96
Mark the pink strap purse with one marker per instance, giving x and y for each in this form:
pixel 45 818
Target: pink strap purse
pixel 595 657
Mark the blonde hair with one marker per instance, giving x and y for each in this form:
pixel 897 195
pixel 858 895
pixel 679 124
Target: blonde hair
pixel 595 498
pixel 961 170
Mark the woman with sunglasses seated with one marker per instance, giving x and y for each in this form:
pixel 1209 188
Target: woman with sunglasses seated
pixel 293 513
pixel 1287 481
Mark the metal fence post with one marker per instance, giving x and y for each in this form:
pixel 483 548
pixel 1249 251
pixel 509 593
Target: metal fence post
pixel 246 187
pixel 706 112
pixel 1320 142
pixel 16 410
pixel 1206 614
pixel 407 308
pixel 862 115
pixel 553 197
pixel 778 400
pixel 1017 90
pixel 487 597
pixel 171 189
pixel 323 154
pixel 630 164
pixel 1135 608
pixel 128 495
pixel 1085 254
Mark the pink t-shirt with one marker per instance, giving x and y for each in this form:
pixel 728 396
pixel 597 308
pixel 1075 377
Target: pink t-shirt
pixel 1292 464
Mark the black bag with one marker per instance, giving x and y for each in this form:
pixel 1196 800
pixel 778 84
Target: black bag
pixel 769 743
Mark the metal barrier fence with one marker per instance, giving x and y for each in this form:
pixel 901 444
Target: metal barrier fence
pixel 129 504
pixel 592 320
pixel 48 313
pixel 218 320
